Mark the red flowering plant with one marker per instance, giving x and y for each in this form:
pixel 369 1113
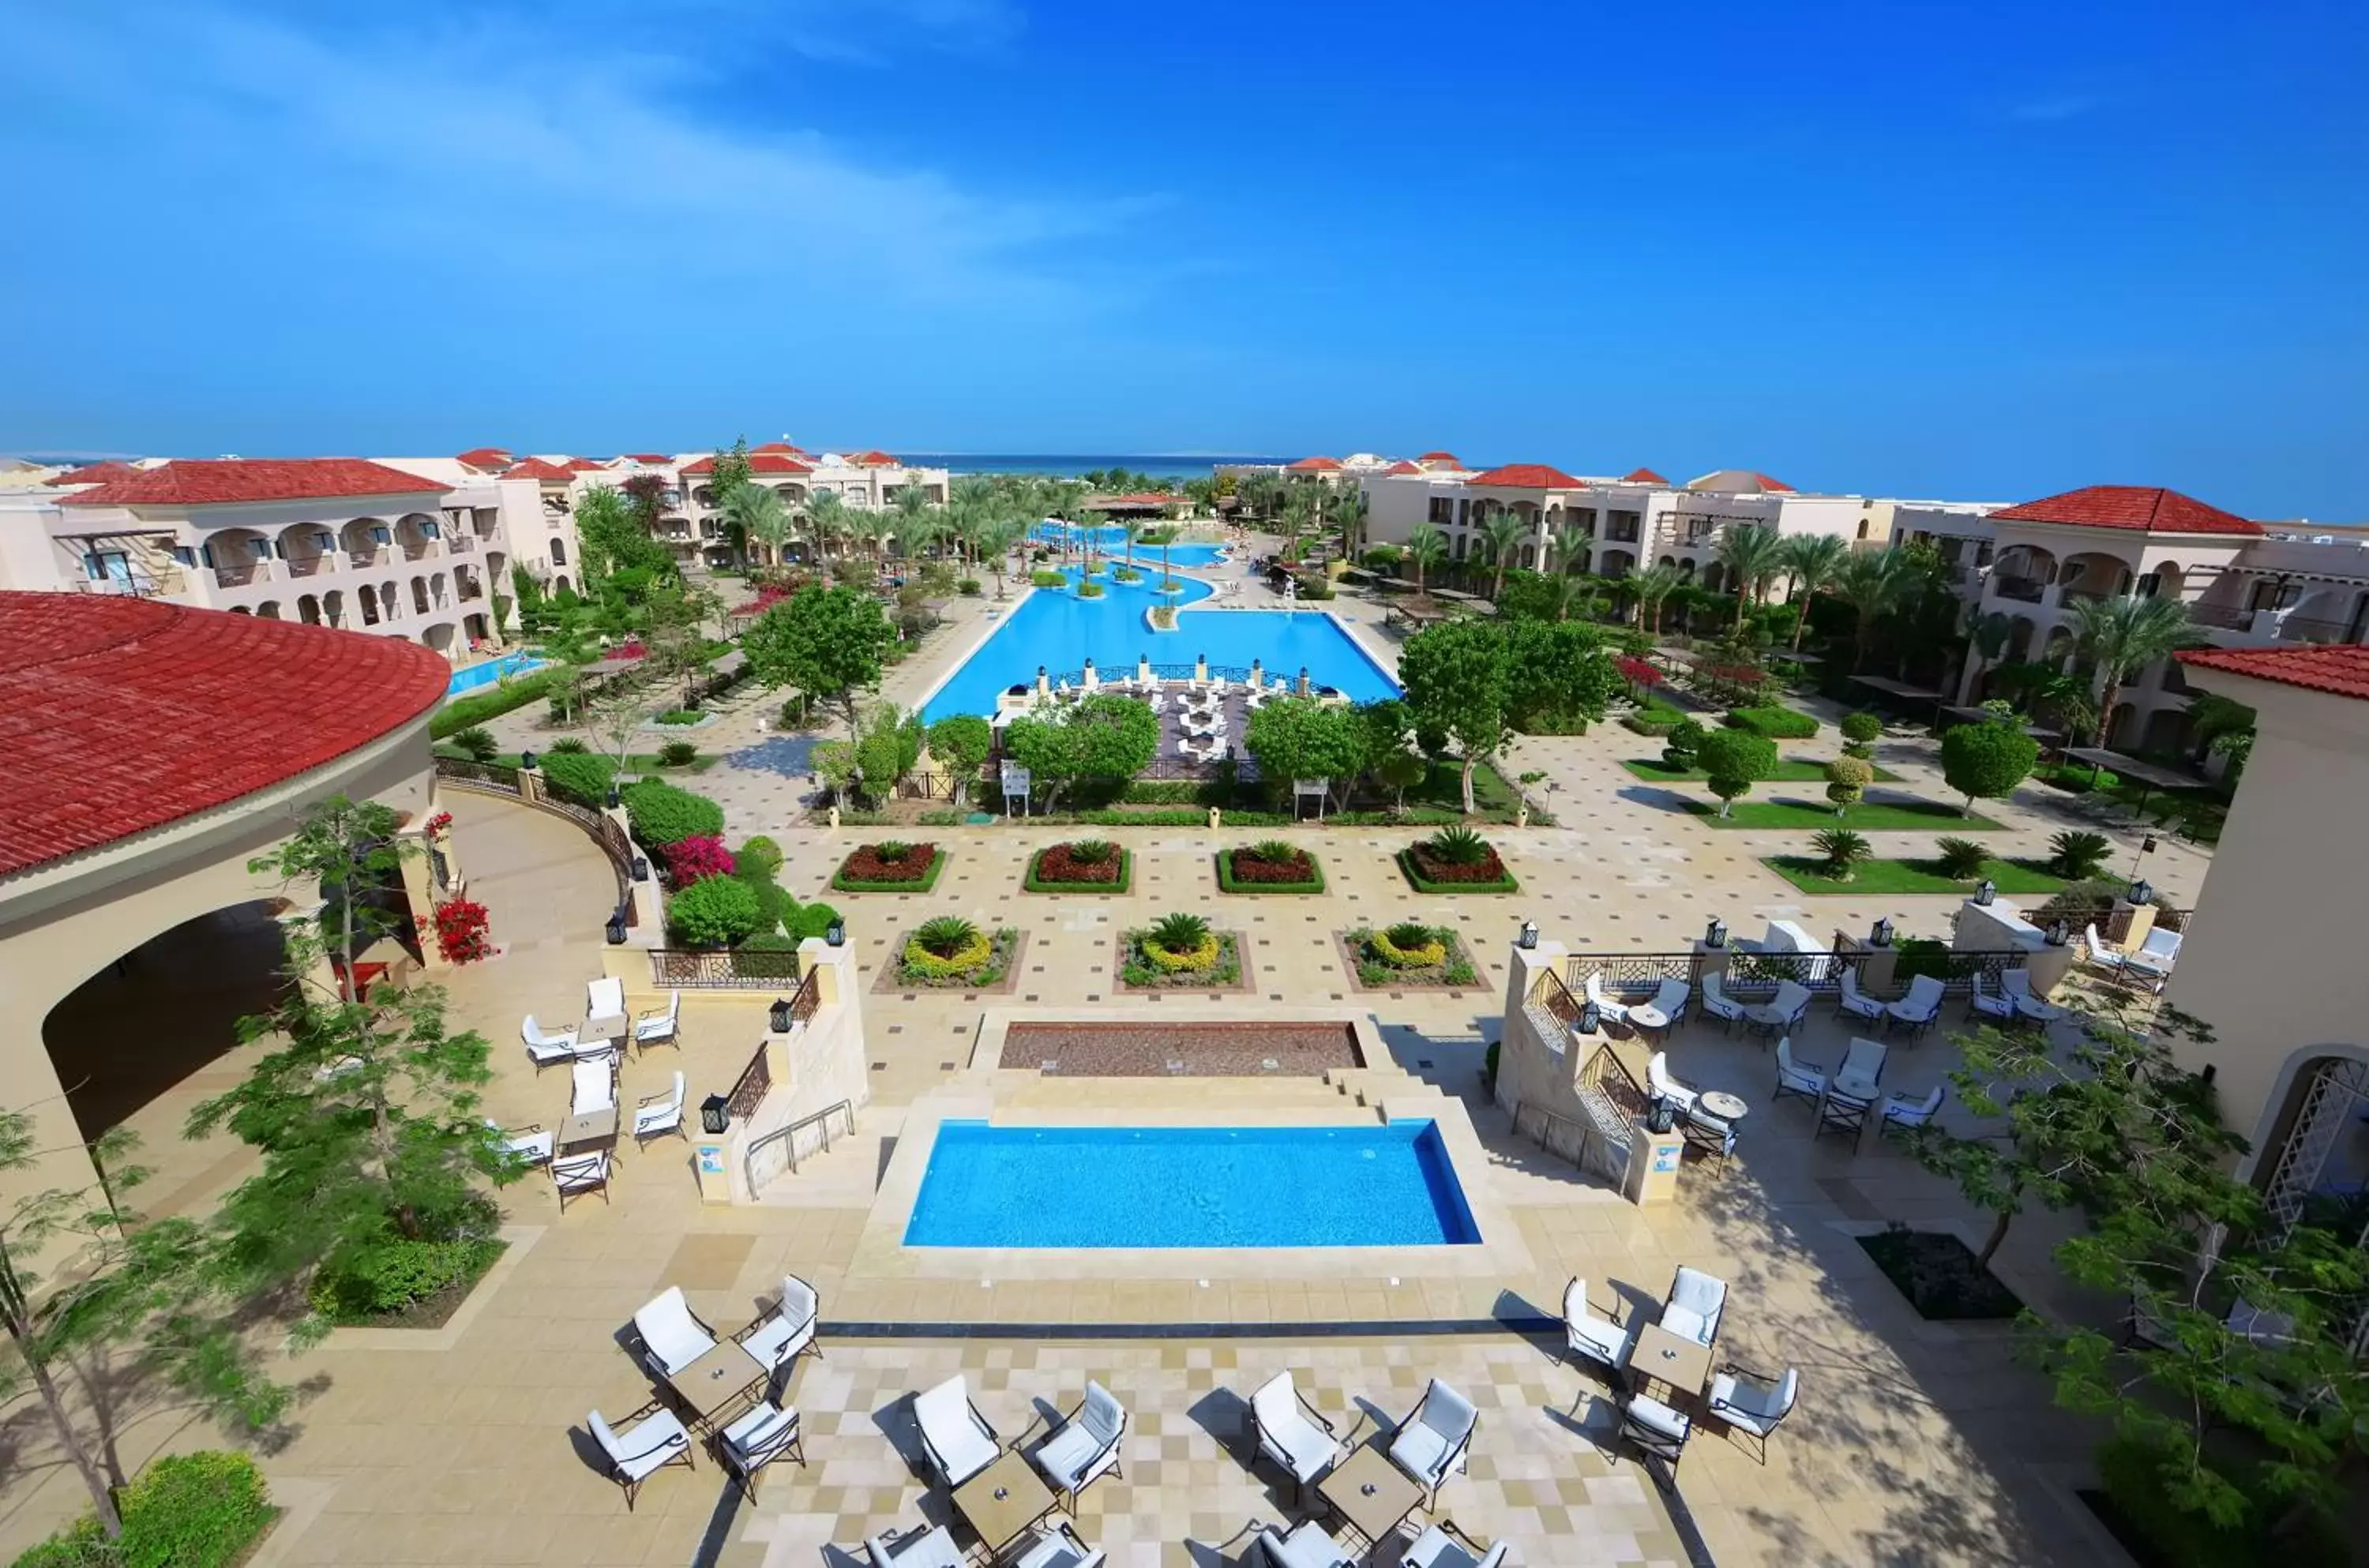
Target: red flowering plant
pixel 692 858
pixel 460 931
pixel 632 649
pixel 1640 672
pixel 439 824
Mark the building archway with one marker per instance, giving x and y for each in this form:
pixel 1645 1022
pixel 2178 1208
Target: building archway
pixel 270 609
pixel 2318 1142
pixel 1715 577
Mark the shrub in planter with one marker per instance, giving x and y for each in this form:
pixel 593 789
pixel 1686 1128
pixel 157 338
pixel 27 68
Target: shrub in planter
pixel 969 588
pixel 947 947
pixel 891 863
pixel 662 814
pixel 1961 859
pixel 1090 588
pixel 810 920
pixel 2076 855
pixel 1048 580
pixel 580 777
pixel 1181 944
pixel 1408 945
pixel 759 854
pixel 1457 857
pixel 1777 723
pixel 1861 729
pixel 716 911
pixel 1271 861
pixel 568 746
pixel 386 1278
pixel 478 743
pixel 201 1510
pixel 696 858
pixel 677 754
pixel 1841 851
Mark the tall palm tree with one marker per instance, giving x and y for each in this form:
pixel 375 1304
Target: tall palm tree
pixel 1134 528
pixel 2122 636
pixel 1811 562
pixel 1427 547
pixel 1653 587
pixel 1753 557
pixel 827 519
pixel 913 528
pixel 997 535
pixel 969 502
pixel 1349 507
pixel 761 517
pixel 1871 582
pixel 1504 531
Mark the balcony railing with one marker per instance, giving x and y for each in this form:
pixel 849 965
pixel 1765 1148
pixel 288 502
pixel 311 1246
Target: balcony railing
pixel 2309 629
pixel 2029 591
pixel 2074 595
pixel 419 549
pixel 462 543
pixel 139 584
pixel 2228 617
pixel 366 558
pixel 309 565
pixel 239 577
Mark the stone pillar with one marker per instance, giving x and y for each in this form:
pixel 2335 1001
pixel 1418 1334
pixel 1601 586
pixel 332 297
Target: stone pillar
pixel 1143 669
pixel 1043 681
pixel 2130 924
pixel 1654 1162
pixel 1300 686
pixel 1258 676
pixel 1090 681
pixel 529 784
pixel 1201 670
pixel 649 905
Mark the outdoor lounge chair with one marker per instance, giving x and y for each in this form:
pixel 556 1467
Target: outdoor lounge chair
pixel 1656 1428
pixel 579 1173
pixel 1712 1134
pixel 1306 1547
pixel 531 1144
pixel 1807 1079
pixel 1056 1545
pixel 1085 1445
pixel 1983 1003
pixel 604 998
pixel 649 1445
pixel 1900 1111
pixel 2017 983
pixel 1599 1340
pixel 593 1086
pixel 931 1548
pixel 956 1438
pixel 1718 1005
pixel 659 1115
pixel 1613 1012
pixel 1751 1401
pixel 1696 1303
pixel 1670 1000
pixel 758 1439
pixel 1434 1439
pixel 2100 954
pixel 670 1334
pixel 1853 1002
pixel 1442 1545
pixel 1663 1087
pixel 546 1048
pixel 1917 1010
pixel 1290 1432
pixel 658 1028
pixel 1851 1093
pixel 789 1332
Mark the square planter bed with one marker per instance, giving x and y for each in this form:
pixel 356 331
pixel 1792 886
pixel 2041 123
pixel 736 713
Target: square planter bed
pixel 991 965
pixel 1224 965
pixel 1239 872
pixel 1939 1274
pixel 1051 870
pixel 1440 961
pixel 1427 875
pixel 865 872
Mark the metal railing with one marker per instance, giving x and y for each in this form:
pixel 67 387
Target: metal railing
pixel 139 584
pixel 787 1137
pixel 726 968
pixel 309 565
pixel 460 544
pixel 2028 590
pixel 239 577
pixel 374 557
pixel 1755 971
pixel 491 777
pixel 2228 617
pixel 749 1089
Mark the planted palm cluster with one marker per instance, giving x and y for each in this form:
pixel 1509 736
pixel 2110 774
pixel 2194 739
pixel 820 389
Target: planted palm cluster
pixel 890 864
pixel 1087 862
pixel 1179 949
pixel 2076 855
pixel 1272 861
pixel 1962 859
pixel 1841 853
pixel 1457 854
pixel 950 950
pixel 1410 953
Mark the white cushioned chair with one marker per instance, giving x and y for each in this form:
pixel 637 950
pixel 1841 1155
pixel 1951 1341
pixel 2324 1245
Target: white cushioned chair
pixel 573 1175
pixel 1442 1545
pixel 659 1115
pixel 1613 1012
pixel 1718 1004
pixel 604 998
pixel 1306 1547
pixel 1436 1438
pixel 1662 1086
pixel 958 1439
pixel 1920 1008
pixel 1599 1340
pixel 1807 1079
pixel 1290 1432
pixel 657 1026
pixel 652 1444
pixel 758 1439
pixel 1056 1545
pixel 1900 1111
pixel 1086 1444
pixel 929 1549
pixel 547 1047
pixel 1853 1002
pixel 1751 1402
pixel 2017 983
pixel 789 1331
pixel 1656 1428
pixel 670 1333
pixel 1695 1303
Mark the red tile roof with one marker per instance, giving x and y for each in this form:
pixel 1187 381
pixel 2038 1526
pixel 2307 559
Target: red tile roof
pixel 209 482
pixel 700 466
pixel 2339 668
pixel 648 457
pixel 124 715
pixel 1528 476
pixel 583 465
pixel 1642 476
pixel 96 474
pixel 1314 465
pixel 1768 483
pixel 874 459
pixel 1403 466
pixel 2139 508
pixel 536 468
pixel 486 457
pixel 774 446
pixel 1441 457
pixel 777 463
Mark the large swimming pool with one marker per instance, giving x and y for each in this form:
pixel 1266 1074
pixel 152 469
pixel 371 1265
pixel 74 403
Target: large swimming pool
pixel 1060 631
pixel 493 669
pixel 1113 540
pixel 1228 1186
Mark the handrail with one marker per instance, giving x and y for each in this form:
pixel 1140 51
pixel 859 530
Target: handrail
pixel 749 1159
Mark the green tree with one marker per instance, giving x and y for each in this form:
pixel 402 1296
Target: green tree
pixel 1651 588
pixel 996 538
pixel 1734 760
pixel 1299 738
pixel 2119 638
pixel 1427 547
pixel 960 744
pixel 827 643
pixel 1504 531
pixel 827 519
pixel 1847 782
pixel 1871 582
pixel 1753 557
pixel 760 516
pixel 615 543
pixel 1458 683
pixel 1811 563
pixel 1105 739
pixel 1986 761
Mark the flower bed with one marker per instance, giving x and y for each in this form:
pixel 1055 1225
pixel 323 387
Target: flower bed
pixel 985 960
pixel 1939 1275
pixel 1056 869
pixel 1248 870
pixel 1388 958
pixel 1426 873
pixel 1214 963
pixel 869 870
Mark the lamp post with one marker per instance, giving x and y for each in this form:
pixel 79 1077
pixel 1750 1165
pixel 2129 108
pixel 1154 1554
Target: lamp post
pixel 1715 935
pixel 835 934
pixel 2058 933
pixel 2141 892
pixel 779 1015
pixel 1882 935
pixel 1528 939
pixel 1985 893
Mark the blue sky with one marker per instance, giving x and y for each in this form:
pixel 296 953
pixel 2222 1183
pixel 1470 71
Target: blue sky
pixel 1983 252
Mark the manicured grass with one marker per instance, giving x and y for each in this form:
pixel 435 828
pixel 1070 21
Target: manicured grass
pixel 1794 770
pixel 1868 816
pixel 1493 799
pixel 1416 879
pixel 1226 879
pixel 1882 876
pixel 1125 878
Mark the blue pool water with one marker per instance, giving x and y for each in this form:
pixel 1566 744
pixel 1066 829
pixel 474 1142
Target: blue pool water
pixel 1060 631
pixel 1228 1186
pixel 493 669
pixel 1113 540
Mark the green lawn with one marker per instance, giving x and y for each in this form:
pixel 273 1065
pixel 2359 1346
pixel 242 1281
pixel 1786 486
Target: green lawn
pixel 1912 876
pixel 1794 770
pixel 1868 816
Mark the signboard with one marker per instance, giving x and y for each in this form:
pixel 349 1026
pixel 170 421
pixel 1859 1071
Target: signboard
pixel 711 1158
pixel 1666 1157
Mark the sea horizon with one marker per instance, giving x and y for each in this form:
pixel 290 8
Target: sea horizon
pixel 1158 464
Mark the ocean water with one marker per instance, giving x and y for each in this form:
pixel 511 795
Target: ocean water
pixel 1060 631
pixel 1158 464
pixel 1124 1186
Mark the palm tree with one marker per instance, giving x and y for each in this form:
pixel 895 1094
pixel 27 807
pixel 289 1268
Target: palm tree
pixel 2122 636
pixel 1870 582
pixel 759 515
pixel 913 528
pixel 1811 562
pixel 1426 546
pixel 1753 557
pixel 997 535
pixel 1134 528
pixel 1504 531
pixel 969 503
pixel 1653 587
pixel 1349 515
pixel 827 519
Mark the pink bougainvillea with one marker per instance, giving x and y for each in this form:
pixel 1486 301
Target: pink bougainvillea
pixel 1640 672
pixel 689 860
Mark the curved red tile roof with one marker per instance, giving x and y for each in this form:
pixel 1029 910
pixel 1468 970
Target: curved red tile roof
pixel 776 463
pixel 95 473
pixel 583 465
pixel 649 457
pixel 2339 668
pixel 121 716
pixel 208 482
pixel 874 459
pixel 1528 476
pixel 486 457
pixel 2140 508
pixel 1314 465
pixel 536 468
pixel 1403 466
pixel 1642 476
pixel 1441 457
pixel 774 446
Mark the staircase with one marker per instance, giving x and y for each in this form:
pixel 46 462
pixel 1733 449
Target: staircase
pixel 844 1176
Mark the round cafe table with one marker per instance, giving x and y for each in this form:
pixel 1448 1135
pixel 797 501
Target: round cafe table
pixel 1647 1019
pixel 1723 1105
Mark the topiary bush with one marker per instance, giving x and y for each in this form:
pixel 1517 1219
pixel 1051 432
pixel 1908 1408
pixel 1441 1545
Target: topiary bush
pixel 715 911
pixel 2076 855
pixel 1961 859
pixel 478 743
pixel 1735 758
pixel 677 754
pixel 580 777
pixel 1778 723
pixel 1986 762
pixel 1684 745
pixel 662 814
pixel 1846 781
pixel 1861 729
pixel 759 855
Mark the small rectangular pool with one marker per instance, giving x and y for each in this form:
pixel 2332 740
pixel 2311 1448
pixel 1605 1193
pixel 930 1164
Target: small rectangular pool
pixel 1225 1186
pixel 478 675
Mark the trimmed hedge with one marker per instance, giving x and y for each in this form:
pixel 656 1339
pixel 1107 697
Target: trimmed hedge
pixel 1226 877
pixel 582 777
pixel 201 1510
pixel 1416 879
pixel 715 911
pixel 460 713
pixel 1777 724
pixel 662 814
